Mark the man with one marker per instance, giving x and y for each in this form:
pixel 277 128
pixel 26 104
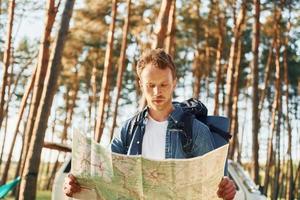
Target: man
pixel 155 137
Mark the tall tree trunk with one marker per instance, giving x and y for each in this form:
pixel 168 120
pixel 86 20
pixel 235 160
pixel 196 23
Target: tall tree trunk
pixel 297 182
pixel 19 119
pixel 266 78
pixel 6 121
pixel 19 167
pixel 41 73
pixel 6 57
pixel 221 25
pixel 275 103
pixel 197 70
pixel 28 183
pixel 121 67
pixel 161 25
pixel 232 59
pixel 71 96
pixel 274 194
pixel 289 172
pixel 106 74
pixel 234 119
pixel 93 99
pixel 255 98
pixel 197 74
pixel 170 40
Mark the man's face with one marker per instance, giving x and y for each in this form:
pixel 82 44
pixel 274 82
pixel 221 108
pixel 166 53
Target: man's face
pixel 158 86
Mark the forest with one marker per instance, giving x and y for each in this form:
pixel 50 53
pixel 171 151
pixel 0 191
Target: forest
pixel 72 66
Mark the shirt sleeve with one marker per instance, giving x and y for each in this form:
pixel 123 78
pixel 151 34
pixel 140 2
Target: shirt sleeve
pixel 118 144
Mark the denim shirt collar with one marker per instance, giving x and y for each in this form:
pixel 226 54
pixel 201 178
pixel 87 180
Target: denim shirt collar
pixel 174 117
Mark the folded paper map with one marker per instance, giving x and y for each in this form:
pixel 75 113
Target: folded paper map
pixel 106 175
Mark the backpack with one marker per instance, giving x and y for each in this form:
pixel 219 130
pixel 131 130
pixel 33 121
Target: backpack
pixel 192 109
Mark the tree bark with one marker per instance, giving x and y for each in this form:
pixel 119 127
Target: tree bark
pixel 198 61
pixel 170 40
pixel 19 119
pixel 9 82
pixel 160 29
pixel 267 73
pixel 255 98
pixel 121 67
pixel 40 75
pixel 29 180
pixel 297 182
pixel 106 74
pixel 232 59
pixel 276 102
pixel 221 25
pixel 6 57
pixel 234 119
pixel 289 176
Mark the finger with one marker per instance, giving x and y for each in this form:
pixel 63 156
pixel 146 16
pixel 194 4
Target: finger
pixel 72 177
pixel 225 191
pixel 224 181
pixel 68 192
pixel 229 185
pixel 75 189
pixel 230 195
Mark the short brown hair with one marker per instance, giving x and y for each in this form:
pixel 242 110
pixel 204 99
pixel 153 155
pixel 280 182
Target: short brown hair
pixel 157 57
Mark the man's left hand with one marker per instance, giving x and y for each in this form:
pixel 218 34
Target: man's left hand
pixel 226 189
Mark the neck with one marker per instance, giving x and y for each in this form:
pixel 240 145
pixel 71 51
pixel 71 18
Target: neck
pixel 161 115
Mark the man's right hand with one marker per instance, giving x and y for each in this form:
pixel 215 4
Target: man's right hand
pixel 71 185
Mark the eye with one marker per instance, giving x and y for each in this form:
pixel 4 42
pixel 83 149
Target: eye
pixel 150 85
pixel 164 85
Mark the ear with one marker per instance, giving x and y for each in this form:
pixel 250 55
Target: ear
pixel 141 85
pixel 174 83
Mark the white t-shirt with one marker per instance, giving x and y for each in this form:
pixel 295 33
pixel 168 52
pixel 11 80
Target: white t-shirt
pixel 154 140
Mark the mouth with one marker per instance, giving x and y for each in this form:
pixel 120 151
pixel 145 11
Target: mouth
pixel 157 101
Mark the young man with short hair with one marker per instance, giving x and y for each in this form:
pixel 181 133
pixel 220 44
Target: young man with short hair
pixel 155 137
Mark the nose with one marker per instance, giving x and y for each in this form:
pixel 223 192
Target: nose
pixel 156 90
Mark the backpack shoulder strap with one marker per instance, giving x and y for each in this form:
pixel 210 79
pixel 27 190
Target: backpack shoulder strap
pixel 186 125
pixel 133 124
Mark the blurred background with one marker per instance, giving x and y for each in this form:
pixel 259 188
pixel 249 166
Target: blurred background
pixel 69 64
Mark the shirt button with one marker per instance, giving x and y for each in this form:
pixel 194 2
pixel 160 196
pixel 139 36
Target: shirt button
pixel 138 142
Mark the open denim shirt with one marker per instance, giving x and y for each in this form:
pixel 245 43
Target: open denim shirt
pixel 202 138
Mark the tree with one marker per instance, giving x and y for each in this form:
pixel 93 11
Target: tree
pixel 6 58
pixel 289 165
pixel 232 58
pixel 221 27
pixel 106 75
pixel 29 181
pixel 121 66
pixel 19 119
pixel 276 103
pixel 44 53
pixel 170 40
pixel 162 24
pixel 255 98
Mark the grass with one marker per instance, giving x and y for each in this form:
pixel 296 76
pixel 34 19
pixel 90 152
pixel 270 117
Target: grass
pixel 41 195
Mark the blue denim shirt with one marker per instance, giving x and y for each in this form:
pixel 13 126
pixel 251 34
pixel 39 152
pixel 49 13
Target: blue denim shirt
pixel 202 138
